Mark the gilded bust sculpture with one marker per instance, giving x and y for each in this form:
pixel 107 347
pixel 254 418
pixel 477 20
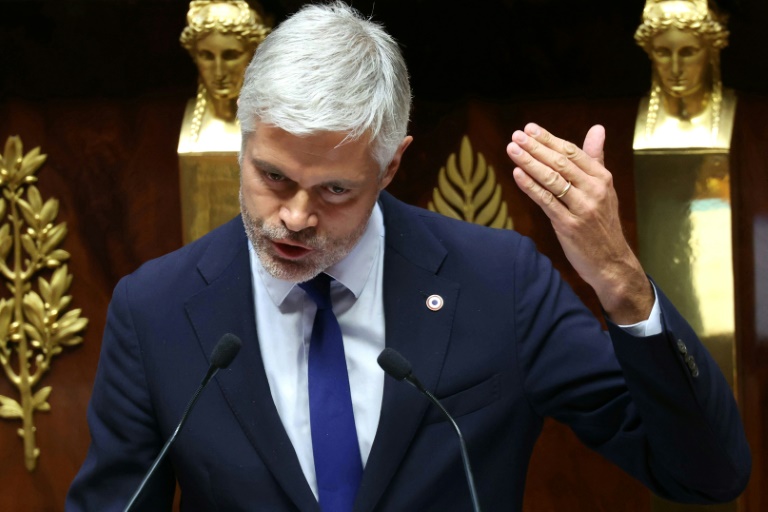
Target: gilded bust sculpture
pixel 221 37
pixel 687 106
pixel 682 170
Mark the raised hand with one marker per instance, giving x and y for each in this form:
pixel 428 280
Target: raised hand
pixel 575 190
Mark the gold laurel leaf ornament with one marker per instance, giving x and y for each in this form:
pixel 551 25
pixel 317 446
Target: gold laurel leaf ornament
pixel 34 324
pixel 467 190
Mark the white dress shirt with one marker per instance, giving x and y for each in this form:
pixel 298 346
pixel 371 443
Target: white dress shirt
pixel 284 318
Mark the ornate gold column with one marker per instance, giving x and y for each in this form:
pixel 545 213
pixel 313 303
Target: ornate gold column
pixel 221 37
pixel 682 177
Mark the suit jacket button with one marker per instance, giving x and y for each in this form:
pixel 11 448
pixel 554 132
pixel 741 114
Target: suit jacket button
pixel 691 362
pixel 681 347
pixel 695 372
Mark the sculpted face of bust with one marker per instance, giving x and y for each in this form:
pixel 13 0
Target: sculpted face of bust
pixel 681 61
pixel 221 60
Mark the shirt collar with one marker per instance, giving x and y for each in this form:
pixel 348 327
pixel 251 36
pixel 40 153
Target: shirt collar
pixel 352 272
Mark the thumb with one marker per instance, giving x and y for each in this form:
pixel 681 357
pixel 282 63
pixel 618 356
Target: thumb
pixel 594 143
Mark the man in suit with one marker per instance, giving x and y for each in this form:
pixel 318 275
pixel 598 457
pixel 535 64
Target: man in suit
pixel 485 320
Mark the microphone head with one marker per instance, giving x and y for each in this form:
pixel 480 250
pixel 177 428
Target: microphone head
pixel 225 350
pixel 394 364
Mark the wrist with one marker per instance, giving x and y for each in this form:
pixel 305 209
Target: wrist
pixel 629 301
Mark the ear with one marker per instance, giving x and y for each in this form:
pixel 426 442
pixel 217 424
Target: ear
pixel 394 165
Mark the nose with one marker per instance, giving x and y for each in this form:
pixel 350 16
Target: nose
pixel 297 214
pixel 676 67
pixel 219 68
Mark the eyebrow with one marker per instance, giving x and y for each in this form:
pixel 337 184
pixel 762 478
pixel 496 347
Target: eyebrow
pixel 265 166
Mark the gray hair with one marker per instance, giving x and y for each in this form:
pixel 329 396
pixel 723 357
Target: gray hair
pixel 329 69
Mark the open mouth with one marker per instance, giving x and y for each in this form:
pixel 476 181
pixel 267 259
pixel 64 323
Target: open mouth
pixel 291 251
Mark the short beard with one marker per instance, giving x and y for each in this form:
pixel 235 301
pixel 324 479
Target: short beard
pixel 327 251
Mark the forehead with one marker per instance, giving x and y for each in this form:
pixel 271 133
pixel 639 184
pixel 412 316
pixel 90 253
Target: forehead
pixel 322 150
pixel 218 41
pixel 676 38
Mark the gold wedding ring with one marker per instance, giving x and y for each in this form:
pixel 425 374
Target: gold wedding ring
pixel 565 190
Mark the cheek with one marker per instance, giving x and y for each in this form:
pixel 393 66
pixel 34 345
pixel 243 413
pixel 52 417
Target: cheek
pixel 239 65
pixel 695 70
pixel 204 66
pixel 344 221
pixel 238 75
pixel 257 200
pixel 662 67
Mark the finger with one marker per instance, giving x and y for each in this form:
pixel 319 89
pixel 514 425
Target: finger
pixel 594 144
pixel 554 182
pixel 569 151
pixel 545 156
pixel 553 208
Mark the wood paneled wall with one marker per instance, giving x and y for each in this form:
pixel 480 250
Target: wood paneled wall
pixel 749 193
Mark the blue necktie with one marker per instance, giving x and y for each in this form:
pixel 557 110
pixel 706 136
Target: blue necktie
pixel 338 465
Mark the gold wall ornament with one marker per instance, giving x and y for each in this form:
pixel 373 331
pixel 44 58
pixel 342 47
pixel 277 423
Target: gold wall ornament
pixel 687 106
pixel 221 37
pixel 34 325
pixel 469 192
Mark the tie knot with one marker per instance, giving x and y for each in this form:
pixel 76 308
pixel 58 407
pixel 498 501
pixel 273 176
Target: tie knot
pixel 319 290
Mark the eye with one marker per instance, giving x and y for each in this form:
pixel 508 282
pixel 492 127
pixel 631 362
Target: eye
pixel 232 54
pixel 336 190
pixel 205 55
pixel 689 51
pixel 273 176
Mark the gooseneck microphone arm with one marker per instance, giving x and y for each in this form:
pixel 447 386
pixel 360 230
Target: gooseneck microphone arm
pixel 398 367
pixel 223 353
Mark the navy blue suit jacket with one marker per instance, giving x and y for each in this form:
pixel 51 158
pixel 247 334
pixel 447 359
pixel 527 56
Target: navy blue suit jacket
pixel 511 345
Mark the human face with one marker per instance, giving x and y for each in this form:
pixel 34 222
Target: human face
pixel 680 61
pixel 221 60
pixel 306 200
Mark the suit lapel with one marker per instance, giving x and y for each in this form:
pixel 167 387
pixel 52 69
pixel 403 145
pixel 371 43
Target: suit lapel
pixel 412 259
pixel 226 305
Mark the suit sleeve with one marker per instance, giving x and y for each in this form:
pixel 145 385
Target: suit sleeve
pixel 124 434
pixel 691 416
pixel 657 406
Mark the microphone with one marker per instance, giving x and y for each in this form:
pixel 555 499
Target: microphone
pixel 398 367
pixel 223 353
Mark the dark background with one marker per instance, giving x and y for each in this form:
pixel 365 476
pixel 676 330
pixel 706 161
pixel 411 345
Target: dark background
pixel 500 50
pixel 101 86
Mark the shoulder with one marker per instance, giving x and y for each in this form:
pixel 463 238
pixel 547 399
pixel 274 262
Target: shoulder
pixel 192 265
pixel 410 224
